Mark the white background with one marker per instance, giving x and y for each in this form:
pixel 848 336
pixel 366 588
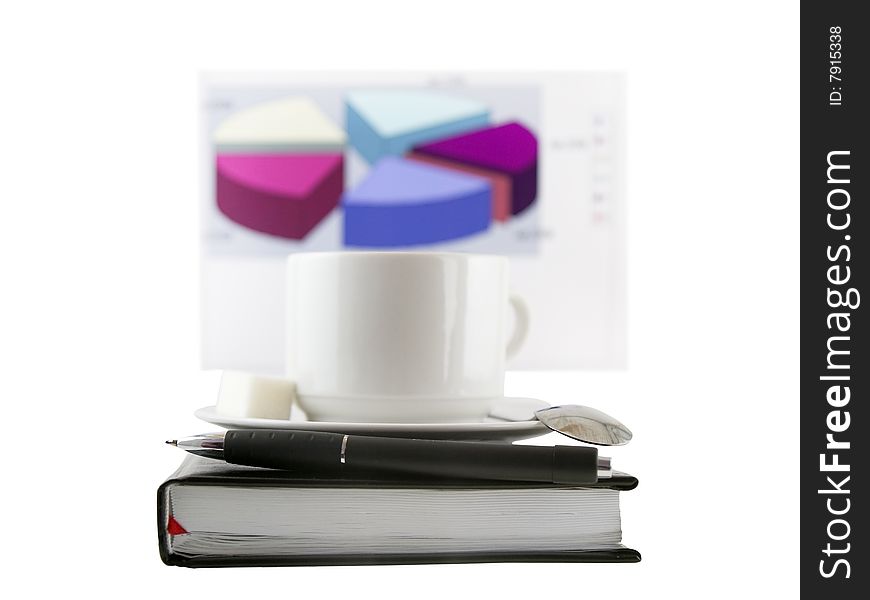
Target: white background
pixel 99 321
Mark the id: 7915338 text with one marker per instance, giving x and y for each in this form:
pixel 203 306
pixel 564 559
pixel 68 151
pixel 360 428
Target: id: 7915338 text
pixel 835 69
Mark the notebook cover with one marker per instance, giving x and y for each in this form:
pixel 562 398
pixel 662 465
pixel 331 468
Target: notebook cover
pixel 201 471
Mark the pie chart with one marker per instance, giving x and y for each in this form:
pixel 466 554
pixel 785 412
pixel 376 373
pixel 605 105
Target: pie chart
pixel 434 168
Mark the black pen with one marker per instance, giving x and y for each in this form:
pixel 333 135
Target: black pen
pixel 339 454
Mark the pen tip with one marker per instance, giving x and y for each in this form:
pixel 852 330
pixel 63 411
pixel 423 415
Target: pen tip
pixel 172 442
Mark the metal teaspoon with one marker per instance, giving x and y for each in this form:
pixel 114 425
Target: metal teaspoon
pixel 581 423
pixel 585 424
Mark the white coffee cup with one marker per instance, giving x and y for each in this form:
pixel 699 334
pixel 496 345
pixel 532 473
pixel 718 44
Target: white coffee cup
pixel 410 337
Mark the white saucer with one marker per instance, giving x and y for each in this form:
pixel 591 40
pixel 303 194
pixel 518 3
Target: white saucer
pixel 516 421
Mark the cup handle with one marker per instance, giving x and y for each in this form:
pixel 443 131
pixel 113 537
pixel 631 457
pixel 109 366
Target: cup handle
pixel 521 325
